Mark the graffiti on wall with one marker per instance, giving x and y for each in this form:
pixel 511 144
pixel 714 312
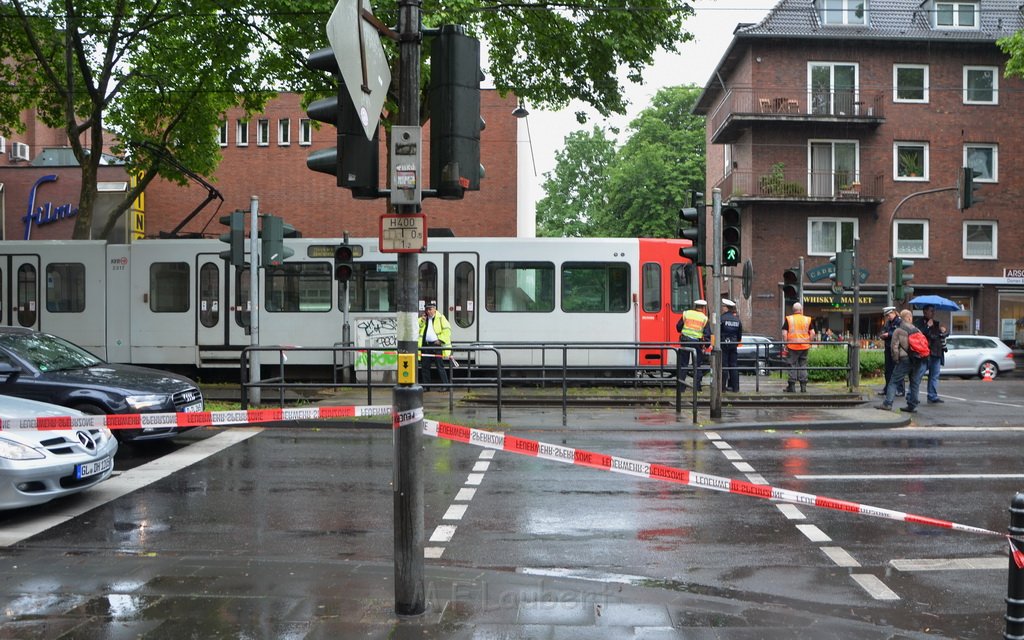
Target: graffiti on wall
pixel 379 336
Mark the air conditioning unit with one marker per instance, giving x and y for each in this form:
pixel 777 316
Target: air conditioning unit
pixel 19 151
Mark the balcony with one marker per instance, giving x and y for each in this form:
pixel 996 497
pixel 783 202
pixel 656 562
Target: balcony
pixel 743 107
pixel 802 186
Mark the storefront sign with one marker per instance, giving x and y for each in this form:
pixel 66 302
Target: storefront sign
pixel 824 271
pixel 46 212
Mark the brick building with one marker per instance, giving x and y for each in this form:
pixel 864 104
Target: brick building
pixel 263 156
pixel 827 117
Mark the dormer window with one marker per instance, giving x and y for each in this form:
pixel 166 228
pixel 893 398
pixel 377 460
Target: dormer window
pixel 851 12
pixel 956 15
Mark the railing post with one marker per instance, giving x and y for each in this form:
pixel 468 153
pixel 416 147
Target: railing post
pixel 1015 582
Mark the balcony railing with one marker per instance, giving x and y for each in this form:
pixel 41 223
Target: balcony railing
pixel 802 185
pixel 743 105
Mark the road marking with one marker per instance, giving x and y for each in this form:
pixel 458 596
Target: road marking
pixel 475 478
pixel 487 454
pixel 455 512
pixel 950 564
pixel 465 494
pixel 743 466
pixel 443 533
pixel 481 465
pixel 756 478
pixel 840 556
pixel 813 533
pixel 432 552
pixel 875 588
pixel 721 444
pixel 791 511
pixel 920 476
pixel 732 455
pixel 712 435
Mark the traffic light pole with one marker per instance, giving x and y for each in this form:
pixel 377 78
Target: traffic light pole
pixel 254 299
pixel 715 304
pixel 407 403
pixel 892 220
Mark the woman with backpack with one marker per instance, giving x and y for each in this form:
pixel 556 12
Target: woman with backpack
pixel 910 364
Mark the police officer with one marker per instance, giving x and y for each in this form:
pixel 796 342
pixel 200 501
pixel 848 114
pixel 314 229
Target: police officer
pixel 890 323
pixel 695 332
pixel 732 335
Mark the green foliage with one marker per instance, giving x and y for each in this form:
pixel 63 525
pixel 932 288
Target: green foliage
pixel 828 363
pixel 577 188
pixel 775 183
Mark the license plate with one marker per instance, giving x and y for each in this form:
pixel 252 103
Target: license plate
pixel 92 468
pixel 192 408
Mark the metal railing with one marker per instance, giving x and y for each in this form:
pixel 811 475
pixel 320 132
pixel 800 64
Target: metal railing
pixel 797 103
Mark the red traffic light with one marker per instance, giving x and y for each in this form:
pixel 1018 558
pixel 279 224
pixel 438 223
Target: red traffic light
pixel 343 263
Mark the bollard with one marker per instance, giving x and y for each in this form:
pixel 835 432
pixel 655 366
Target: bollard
pixel 1015 583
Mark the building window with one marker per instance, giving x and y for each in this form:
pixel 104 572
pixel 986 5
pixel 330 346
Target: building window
pixel 843 12
pixel 262 132
pixel 984 160
pixel 305 131
pixel 981 240
pixel 981 85
pixel 284 132
pixel 911 238
pixel 223 133
pixel 242 133
pixel 956 15
pixel 910 161
pixel 826 236
pixel 910 83
pixel 834 167
pixel 832 88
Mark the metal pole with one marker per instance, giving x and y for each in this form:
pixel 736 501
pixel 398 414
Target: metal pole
pixel 1015 583
pixel 855 349
pixel 715 303
pixel 407 405
pixel 254 299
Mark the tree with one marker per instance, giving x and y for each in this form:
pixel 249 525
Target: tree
pixel 576 191
pixel 165 73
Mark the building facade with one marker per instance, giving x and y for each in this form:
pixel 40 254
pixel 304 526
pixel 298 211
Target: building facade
pixel 265 156
pixel 844 124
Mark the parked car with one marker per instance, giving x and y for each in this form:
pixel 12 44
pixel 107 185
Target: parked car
pixel 983 356
pixel 760 352
pixel 43 367
pixel 38 466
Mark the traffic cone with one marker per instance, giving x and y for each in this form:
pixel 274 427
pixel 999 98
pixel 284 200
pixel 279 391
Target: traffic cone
pixel 986 376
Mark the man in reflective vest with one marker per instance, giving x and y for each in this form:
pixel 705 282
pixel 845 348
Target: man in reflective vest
pixel 694 332
pixel 435 341
pixel 798 335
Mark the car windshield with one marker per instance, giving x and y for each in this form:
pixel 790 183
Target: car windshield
pixel 48 353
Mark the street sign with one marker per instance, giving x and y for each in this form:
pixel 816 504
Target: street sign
pixel 824 271
pixel 360 55
pixel 403 233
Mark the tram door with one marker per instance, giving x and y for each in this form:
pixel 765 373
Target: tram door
pixel 21 285
pixel 666 290
pixel 211 310
pixel 462 295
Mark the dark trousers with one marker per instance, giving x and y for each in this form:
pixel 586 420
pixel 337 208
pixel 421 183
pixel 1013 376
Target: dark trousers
pixel 890 364
pixel 684 359
pixel 430 358
pixel 730 374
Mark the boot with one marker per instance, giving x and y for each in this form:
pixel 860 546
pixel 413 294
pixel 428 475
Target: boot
pixel 803 387
pixel 791 387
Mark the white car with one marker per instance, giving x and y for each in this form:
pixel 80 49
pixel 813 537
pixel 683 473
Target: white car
pixel 37 466
pixel 983 356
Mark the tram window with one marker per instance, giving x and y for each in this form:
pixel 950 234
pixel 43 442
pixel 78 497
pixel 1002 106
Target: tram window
pixel 685 287
pixel 428 283
pixel 168 287
pixel 595 287
pixel 519 287
pixel 651 279
pixel 65 287
pixel 209 294
pixel 465 294
pixel 373 287
pixel 27 287
pixel 242 297
pixel 299 287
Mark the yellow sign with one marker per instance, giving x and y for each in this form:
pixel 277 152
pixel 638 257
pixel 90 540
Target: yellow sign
pixel 138 212
pixel 407 368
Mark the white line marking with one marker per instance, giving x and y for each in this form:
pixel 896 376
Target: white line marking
pixel 732 455
pixel 475 478
pixel 465 494
pixel 921 476
pixel 874 587
pixel 791 511
pixel 455 512
pixel 743 466
pixel 950 564
pixel 840 556
pixel 813 533
pixel 711 435
pixel 721 444
pixel 756 478
pixel 432 552
pixel 481 465
pixel 124 483
pixel 443 533
pixel 487 454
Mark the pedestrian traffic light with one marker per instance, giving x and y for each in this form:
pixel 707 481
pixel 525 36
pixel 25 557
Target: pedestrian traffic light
pixel 792 286
pixel 695 233
pixel 273 250
pixel 355 159
pixel 343 263
pixel 731 251
pixel 455 122
pixel 235 238
pixel 842 272
pixel 901 288
pixel 966 188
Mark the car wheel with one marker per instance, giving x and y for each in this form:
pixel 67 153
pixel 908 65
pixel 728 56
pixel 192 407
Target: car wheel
pixel 988 370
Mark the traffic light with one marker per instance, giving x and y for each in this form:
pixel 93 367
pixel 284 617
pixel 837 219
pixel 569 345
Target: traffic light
pixel 343 263
pixel 235 238
pixel 355 159
pixel 842 274
pixel 901 288
pixel 792 286
pixel 966 188
pixel 731 251
pixel 455 122
pixel 695 233
pixel 272 236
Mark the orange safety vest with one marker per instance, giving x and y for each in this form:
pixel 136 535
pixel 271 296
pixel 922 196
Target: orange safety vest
pixel 693 324
pixel 798 332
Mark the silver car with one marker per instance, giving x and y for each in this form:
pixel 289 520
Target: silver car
pixel 37 466
pixel 983 356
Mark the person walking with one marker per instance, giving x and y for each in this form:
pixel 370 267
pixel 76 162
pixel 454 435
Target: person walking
pixel 907 365
pixel 890 321
pixel 936 340
pixel 798 335
pixel 695 332
pixel 435 341
pixel 732 335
